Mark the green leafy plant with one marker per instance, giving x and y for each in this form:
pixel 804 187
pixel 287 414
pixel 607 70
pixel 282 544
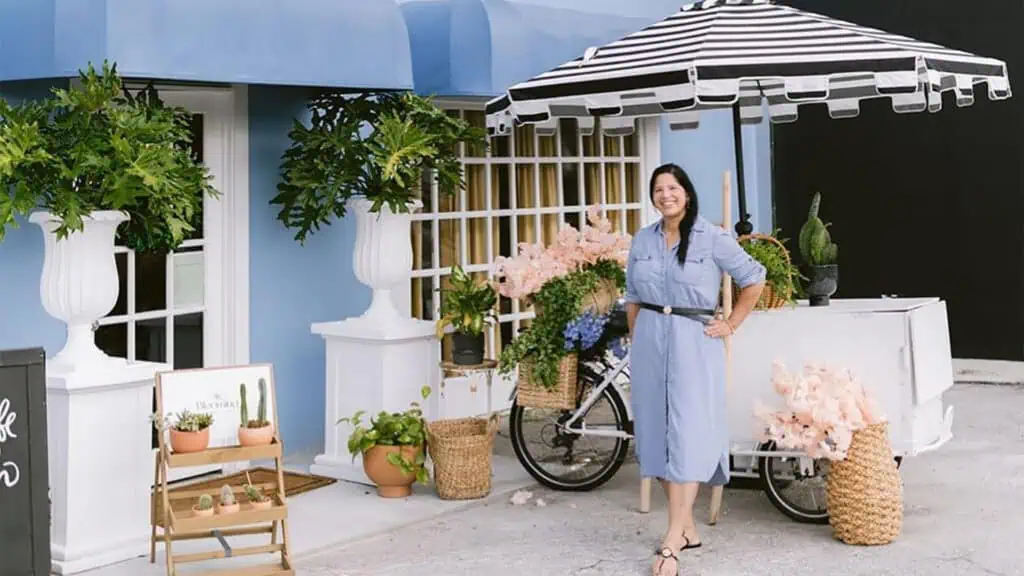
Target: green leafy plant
pixel 781 274
pixel 816 244
pixel 393 429
pixel 334 159
pixel 205 502
pixel 227 496
pixel 96 146
pixel 184 421
pixel 261 409
pixel 543 342
pixel 467 304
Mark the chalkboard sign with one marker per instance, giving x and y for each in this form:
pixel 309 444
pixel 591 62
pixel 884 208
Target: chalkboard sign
pixel 24 472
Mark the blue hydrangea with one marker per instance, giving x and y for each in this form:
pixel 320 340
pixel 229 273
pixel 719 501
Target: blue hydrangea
pixel 583 332
pixel 618 348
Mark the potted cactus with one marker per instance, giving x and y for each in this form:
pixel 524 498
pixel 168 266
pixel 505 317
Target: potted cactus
pixel 821 256
pixel 228 504
pixel 257 499
pixel 258 432
pixel 204 507
pixel 189 433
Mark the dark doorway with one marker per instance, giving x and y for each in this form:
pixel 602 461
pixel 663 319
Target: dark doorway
pixel 922 204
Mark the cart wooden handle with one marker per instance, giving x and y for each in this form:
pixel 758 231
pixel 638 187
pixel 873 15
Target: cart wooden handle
pixel 717 492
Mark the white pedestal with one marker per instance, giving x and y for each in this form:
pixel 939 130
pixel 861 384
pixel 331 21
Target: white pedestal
pixel 101 463
pixel 371 368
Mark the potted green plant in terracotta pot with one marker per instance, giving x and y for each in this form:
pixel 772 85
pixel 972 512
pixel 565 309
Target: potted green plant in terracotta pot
pixel 821 256
pixel 467 305
pixel 228 504
pixel 190 431
pixel 370 153
pixel 91 162
pixel 258 432
pixel 393 447
pixel 204 507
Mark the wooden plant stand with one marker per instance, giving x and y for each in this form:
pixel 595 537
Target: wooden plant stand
pixel 183 525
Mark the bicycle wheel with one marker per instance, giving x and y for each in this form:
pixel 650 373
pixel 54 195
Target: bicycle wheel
pixel 568 461
pixel 799 496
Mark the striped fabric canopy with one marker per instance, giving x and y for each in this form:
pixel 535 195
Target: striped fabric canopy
pixel 711 53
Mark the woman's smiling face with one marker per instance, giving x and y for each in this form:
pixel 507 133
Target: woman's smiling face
pixel 669 196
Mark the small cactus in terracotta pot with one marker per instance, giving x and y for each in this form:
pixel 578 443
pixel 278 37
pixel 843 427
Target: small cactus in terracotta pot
pixel 228 504
pixel 204 507
pixel 258 432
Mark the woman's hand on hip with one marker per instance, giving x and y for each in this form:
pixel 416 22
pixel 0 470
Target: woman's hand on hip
pixel 718 328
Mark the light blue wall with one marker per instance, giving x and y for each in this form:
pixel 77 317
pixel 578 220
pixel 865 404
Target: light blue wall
pixel 705 153
pixel 293 286
pixel 23 321
pixel 351 43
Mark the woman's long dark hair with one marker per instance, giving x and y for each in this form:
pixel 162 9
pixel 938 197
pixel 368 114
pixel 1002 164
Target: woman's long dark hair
pixel 692 206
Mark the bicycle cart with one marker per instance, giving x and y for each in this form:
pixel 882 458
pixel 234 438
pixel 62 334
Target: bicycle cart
pixel 899 348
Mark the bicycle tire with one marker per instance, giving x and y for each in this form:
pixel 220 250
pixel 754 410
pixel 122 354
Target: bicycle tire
pixel 586 484
pixel 768 482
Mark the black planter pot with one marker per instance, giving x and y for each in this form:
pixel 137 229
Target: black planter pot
pixel 467 349
pixel 824 282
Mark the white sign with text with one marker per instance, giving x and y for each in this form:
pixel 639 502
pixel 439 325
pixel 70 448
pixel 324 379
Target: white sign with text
pixel 10 475
pixel 216 391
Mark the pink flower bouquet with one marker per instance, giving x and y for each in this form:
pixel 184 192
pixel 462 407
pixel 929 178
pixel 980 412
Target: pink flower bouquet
pixel 824 407
pixel 573 250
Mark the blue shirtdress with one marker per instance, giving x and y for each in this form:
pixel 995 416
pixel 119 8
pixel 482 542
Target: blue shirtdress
pixel 678 373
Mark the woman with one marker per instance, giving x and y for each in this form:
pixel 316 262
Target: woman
pixel 677 356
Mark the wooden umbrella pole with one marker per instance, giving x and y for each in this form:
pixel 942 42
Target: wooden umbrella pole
pixel 715 508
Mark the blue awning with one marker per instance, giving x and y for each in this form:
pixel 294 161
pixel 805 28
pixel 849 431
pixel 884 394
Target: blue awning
pixel 332 43
pixel 481 47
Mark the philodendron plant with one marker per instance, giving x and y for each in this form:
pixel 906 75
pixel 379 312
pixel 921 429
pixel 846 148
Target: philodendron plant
pixel 372 145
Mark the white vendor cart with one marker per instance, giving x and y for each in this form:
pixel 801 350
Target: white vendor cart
pixel 897 347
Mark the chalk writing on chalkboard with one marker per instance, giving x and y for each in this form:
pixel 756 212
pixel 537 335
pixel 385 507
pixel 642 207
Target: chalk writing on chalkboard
pixel 9 472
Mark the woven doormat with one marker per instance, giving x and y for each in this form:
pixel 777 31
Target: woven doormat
pixel 294 484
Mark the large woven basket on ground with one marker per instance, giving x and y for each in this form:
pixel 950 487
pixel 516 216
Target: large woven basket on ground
pixel 770 299
pixel 865 493
pixel 461 452
pixel 535 395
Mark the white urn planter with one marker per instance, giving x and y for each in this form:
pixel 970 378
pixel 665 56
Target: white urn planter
pixel 382 259
pixel 79 284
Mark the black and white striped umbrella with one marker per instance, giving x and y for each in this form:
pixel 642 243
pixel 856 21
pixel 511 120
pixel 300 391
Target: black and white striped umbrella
pixel 735 54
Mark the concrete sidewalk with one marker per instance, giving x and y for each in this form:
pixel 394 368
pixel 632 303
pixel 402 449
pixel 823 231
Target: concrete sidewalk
pixel 964 515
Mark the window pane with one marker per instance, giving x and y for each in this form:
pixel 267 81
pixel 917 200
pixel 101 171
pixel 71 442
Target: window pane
pixel 423 298
pixel 150 282
pixel 568 135
pixel 450 238
pixel 151 340
pixel 113 339
pixel 629 146
pixel 422 244
pixel 612 146
pixel 478 119
pixel 524 141
pixel 632 221
pixel 476 243
pixel 613 184
pixel 188 341
pixel 548 146
pixel 633 184
pixel 188 279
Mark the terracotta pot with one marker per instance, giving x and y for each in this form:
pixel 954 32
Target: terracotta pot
pixel 229 509
pixel 185 442
pixel 390 480
pixel 264 505
pixel 197 512
pixel 256 436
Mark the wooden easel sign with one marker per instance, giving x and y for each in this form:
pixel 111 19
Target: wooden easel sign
pixel 216 391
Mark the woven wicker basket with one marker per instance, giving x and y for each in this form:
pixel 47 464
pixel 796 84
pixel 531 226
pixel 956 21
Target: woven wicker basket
pixel 561 397
pixel 461 452
pixel 865 494
pixel 599 301
pixel 770 299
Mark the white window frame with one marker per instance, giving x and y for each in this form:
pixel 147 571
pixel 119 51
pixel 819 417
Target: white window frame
pixel 648 157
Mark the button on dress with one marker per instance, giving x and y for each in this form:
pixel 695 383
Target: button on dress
pixel 677 372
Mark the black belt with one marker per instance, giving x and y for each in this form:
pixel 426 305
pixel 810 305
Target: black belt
pixel 689 312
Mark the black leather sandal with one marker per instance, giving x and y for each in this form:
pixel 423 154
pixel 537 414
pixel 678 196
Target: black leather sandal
pixel 666 553
pixel 689 546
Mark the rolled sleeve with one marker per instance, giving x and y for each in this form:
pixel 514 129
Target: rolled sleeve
pixel 632 296
pixel 734 260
